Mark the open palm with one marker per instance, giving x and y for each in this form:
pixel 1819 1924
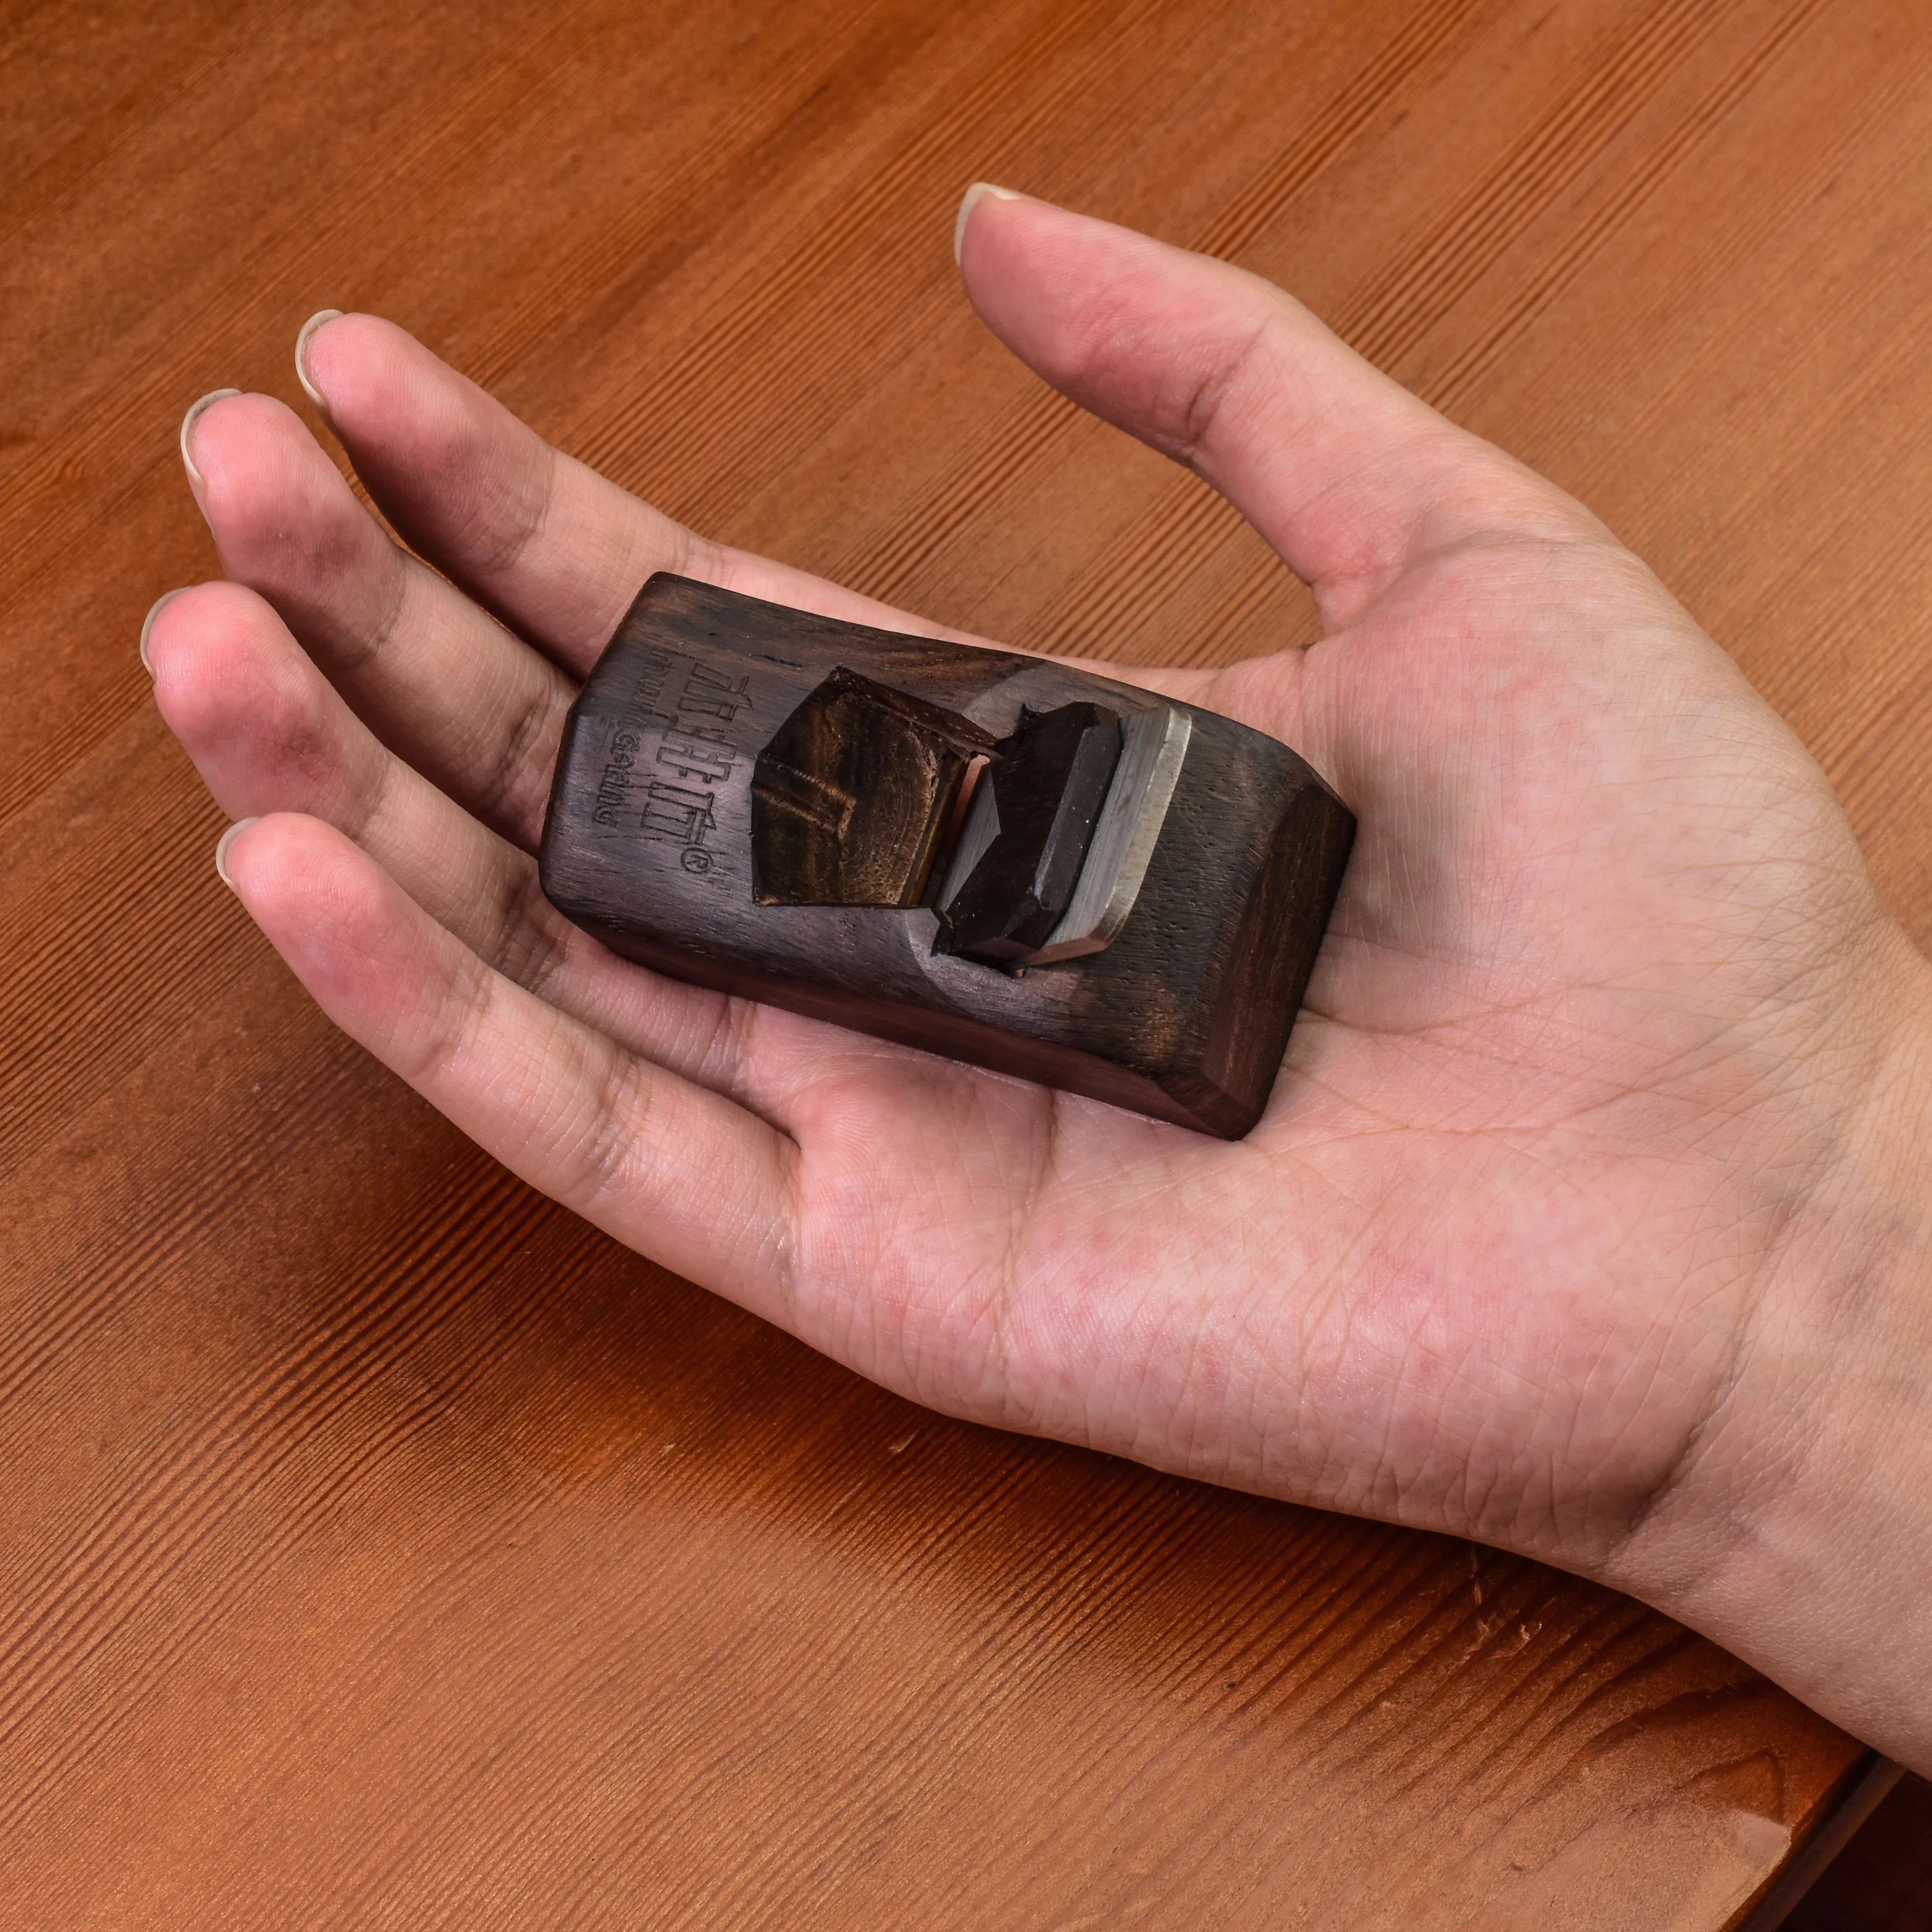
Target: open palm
pixel 1598 1010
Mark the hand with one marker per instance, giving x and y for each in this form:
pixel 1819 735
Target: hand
pixel 1588 1215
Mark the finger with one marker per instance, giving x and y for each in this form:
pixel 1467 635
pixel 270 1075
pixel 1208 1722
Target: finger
pixel 442 683
pixel 679 1173
pixel 268 733
pixel 1344 472
pixel 558 550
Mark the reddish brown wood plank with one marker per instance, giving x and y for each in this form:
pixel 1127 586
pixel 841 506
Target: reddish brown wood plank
pixel 379 1544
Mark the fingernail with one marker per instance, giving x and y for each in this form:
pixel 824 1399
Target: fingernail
pixel 222 844
pixel 160 603
pixel 970 200
pixel 307 329
pixel 188 422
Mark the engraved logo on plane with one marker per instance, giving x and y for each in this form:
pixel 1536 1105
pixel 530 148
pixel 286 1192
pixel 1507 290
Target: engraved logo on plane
pixel 668 794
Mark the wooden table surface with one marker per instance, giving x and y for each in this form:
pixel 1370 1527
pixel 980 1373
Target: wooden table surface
pixel 380 1546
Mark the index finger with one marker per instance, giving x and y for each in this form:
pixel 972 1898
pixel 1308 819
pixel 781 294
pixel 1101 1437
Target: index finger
pixel 543 540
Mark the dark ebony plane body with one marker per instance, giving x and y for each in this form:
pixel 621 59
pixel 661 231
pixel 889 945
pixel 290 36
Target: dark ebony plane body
pixel 996 857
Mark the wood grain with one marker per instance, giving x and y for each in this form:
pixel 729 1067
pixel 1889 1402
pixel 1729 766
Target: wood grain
pixel 378 1546
pixel 852 794
pixel 1185 1017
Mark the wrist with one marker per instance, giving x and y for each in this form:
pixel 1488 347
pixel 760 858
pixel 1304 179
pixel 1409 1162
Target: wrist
pixel 1798 1533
